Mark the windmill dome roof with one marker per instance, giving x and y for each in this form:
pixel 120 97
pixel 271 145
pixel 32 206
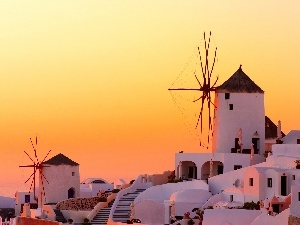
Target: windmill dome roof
pixel 60 159
pixel 239 82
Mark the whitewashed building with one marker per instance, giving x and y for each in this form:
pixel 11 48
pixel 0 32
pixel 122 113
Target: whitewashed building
pixel 63 179
pixel 239 122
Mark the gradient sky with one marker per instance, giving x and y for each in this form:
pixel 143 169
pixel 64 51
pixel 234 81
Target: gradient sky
pixel 90 78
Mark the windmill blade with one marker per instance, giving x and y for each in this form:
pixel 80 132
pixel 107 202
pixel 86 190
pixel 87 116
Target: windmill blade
pixel 46 156
pixel 28 166
pixel 213 65
pixel 30 176
pixel 31 185
pixel 34 149
pixel 44 178
pixel 198 80
pixel 29 156
pixel 198 98
pixel 200 59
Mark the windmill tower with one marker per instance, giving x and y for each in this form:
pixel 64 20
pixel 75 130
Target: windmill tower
pixel 64 180
pixel 239 106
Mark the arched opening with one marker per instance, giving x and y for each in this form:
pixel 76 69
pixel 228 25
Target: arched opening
pixel 187 170
pixel 71 193
pixel 207 171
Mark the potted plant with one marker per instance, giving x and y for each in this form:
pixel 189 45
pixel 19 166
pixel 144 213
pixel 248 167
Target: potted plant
pixel 297 163
pixel 86 221
pixel 186 215
pixel 190 222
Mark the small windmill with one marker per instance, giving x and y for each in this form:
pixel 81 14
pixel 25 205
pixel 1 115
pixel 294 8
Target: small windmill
pixel 207 86
pixel 37 166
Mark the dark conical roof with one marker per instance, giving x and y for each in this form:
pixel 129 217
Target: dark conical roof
pixel 239 82
pixel 271 129
pixel 60 159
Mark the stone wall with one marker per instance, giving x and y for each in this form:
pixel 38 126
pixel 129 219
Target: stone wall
pixel 82 203
pixel 294 220
pixel 78 204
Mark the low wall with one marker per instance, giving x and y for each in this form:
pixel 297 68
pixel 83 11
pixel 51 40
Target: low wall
pixel 150 212
pixel 231 216
pixel 76 216
pixel 78 204
pixel 280 219
pixel 31 221
pixel 293 220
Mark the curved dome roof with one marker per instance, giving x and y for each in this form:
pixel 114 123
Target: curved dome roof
pixel 191 195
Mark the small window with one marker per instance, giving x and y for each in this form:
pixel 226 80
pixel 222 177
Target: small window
pixel 231 198
pixel 298 141
pixel 73 174
pixel 269 182
pixel 250 181
pixel 27 198
pixel 294 177
pixel 236 167
pixel 298 196
pixel 230 106
pixel 227 95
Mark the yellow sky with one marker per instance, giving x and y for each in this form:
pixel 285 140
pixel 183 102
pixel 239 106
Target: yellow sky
pixel 90 78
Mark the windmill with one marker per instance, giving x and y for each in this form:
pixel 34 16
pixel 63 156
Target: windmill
pixel 37 166
pixel 206 87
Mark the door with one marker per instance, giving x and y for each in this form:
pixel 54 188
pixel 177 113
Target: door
pixel 220 169
pixel 71 193
pixel 275 208
pixel 283 186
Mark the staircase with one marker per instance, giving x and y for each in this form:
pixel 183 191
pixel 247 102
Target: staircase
pixel 103 214
pixel 122 210
pixel 59 216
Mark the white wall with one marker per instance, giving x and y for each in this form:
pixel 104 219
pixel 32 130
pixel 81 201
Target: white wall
pixel 248 114
pixel 291 137
pixel 231 216
pixel 280 219
pixel 186 200
pixel 219 183
pixel 292 150
pixel 150 212
pixel 295 203
pixel 228 160
pixel 163 192
pixel 252 193
pixel 60 181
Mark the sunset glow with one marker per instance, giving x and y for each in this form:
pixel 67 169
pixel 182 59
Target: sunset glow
pixel 91 78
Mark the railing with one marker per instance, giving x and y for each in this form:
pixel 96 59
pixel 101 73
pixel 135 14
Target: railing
pixel 10 222
pixel 100 206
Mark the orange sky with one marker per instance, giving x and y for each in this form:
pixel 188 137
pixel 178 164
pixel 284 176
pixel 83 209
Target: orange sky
pixel 90 78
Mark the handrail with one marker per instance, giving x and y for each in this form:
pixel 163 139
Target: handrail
pixel 100 206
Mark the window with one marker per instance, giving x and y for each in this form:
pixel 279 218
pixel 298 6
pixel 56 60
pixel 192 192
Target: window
pixel 298 141
pixel 27 198
pixel 269 182
pixel 236 167
pixel 231 198
pixel 293 177
pixel 230 106
pixel 298 196
pixel 227 95
pixel 250 181
pixel 73 174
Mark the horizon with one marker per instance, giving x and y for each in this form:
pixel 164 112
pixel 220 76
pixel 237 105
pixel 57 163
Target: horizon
pixel 90 79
